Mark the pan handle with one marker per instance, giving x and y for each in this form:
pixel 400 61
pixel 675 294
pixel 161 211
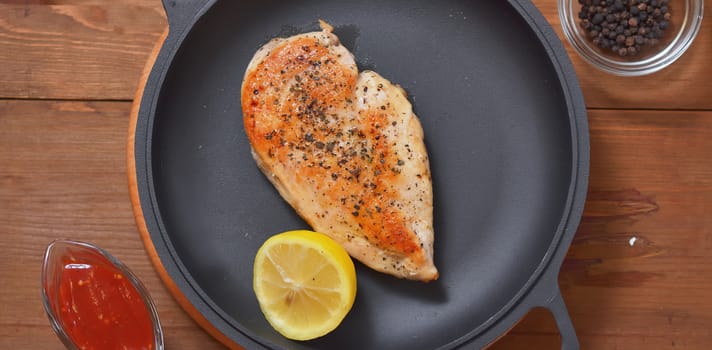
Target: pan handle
pixel 556 305
pixel 180 12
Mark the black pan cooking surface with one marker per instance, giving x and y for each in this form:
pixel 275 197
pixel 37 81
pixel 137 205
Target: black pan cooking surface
pixel 505 129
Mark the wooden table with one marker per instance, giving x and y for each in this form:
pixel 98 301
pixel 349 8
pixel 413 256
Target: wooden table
pixel 638 275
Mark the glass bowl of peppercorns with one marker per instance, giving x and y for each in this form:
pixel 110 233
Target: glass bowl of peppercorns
pixel 630 37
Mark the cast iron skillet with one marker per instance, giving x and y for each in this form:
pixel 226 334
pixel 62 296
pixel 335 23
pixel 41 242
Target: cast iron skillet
pixel 505 128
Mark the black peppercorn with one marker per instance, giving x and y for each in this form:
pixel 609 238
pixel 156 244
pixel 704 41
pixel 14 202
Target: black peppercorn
pixel 597 18
pixel 629 41
pixel 618 5
pixel 624 27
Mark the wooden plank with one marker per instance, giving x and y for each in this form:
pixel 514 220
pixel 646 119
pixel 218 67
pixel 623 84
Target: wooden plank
pixel 93 49
pixel 683 85
pixel 63 174
pixel 76 49
pixel 637 274
pixel 641 256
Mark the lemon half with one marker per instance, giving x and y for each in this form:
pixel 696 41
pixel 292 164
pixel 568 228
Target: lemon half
pixel 305 283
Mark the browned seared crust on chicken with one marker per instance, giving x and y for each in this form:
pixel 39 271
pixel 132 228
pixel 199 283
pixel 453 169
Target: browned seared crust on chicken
pixel 344 149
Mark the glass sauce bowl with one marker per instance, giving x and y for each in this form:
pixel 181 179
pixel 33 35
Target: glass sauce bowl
pixel 686 17
pixel 93 301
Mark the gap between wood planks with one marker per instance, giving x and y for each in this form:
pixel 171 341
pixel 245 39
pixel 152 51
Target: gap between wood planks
pixel 35 99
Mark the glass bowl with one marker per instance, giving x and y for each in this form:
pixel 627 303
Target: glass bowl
pixel 94 300
pixel 682 28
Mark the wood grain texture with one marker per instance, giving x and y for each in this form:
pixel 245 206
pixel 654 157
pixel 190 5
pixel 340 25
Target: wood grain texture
pixel 638 275
pixel 661 90
pixel 76 49
pixel 93 49
pixel 63 175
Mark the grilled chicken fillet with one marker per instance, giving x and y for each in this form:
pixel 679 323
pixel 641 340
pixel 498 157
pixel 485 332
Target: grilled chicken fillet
pixel 344 149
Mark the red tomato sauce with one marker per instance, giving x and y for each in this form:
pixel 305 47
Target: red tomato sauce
pixel 100 308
